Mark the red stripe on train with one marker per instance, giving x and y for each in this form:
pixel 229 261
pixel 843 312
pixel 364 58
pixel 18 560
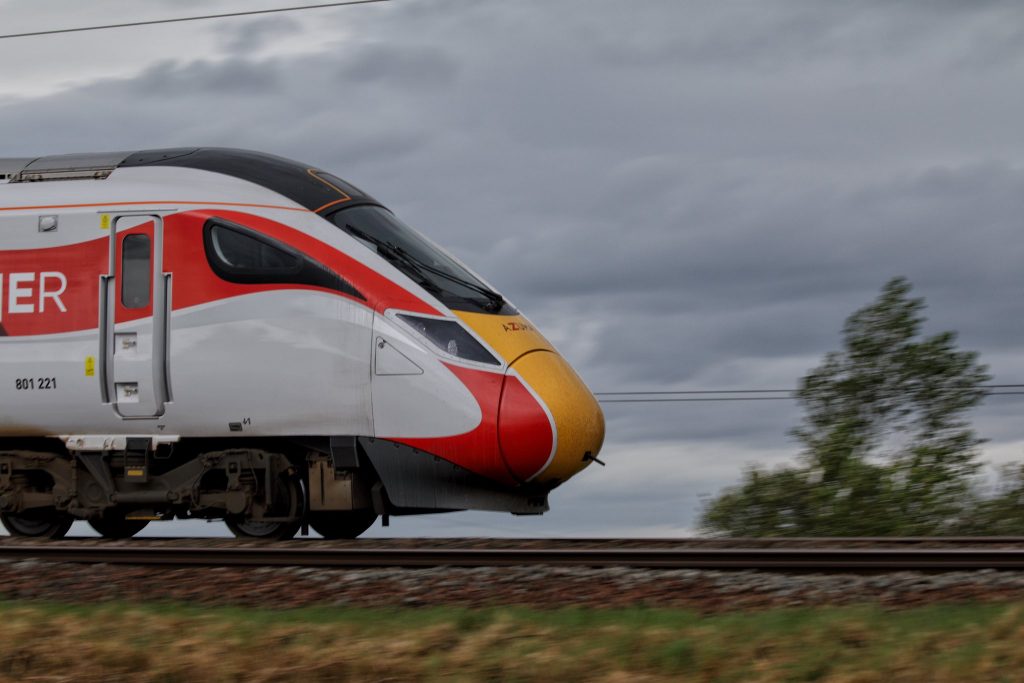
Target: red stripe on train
pixel 55 290
pixel 514 438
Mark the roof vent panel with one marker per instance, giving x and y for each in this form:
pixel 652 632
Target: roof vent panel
pixel 65 167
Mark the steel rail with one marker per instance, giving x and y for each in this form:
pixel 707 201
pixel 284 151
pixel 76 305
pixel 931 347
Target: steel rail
pixel 732 541
pixel 827 559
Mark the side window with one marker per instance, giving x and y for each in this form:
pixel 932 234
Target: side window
pixel 136 271
pixel 238 254
pixel 245 254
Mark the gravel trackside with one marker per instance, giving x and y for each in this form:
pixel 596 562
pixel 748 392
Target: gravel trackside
pixel 543 587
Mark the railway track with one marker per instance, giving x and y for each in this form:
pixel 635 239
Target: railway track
pixel 884 555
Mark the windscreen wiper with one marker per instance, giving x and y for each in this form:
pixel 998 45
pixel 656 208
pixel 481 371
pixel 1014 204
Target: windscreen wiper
pixel 494 300
pixel 395 254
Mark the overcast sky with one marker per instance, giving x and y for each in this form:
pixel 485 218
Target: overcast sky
pixel 681 195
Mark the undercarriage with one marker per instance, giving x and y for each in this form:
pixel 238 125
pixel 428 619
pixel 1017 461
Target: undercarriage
pixel 257 491
pixel 268 488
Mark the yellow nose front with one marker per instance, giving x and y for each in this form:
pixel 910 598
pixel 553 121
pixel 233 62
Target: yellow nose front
pixel 579 422
pixel 576 416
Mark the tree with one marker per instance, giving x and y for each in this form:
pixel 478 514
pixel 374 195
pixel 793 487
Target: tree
pixel 887 449
pixel 1000 514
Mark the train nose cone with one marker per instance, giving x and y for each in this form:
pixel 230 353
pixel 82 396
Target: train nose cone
pixel 548 421
pixel 576 417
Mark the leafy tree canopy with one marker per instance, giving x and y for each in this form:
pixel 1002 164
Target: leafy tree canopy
pixel 887 449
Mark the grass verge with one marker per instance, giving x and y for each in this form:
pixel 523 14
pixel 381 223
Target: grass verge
pixel 169 643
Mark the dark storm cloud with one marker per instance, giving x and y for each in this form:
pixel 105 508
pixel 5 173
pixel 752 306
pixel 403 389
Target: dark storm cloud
pixel 681 195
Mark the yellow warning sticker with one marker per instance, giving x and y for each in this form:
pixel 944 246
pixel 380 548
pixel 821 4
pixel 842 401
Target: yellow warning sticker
pixel 90 366
pixel 104 221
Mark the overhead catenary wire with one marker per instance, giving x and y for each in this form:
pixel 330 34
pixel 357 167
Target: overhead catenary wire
pixel 727 395
pixel 175 20
pixel 738 398
pixel 695 391
pixel 646 392
pixel 687 400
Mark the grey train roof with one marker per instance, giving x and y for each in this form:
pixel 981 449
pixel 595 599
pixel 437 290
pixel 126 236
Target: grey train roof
pixel 301 183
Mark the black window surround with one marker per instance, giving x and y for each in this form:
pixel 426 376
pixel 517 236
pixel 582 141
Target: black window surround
pixel 246 256
pixel 136 270
pixel 380 230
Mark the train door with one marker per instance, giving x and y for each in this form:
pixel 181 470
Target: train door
pixel 135 304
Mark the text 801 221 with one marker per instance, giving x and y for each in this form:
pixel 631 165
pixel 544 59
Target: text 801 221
pixel 30 383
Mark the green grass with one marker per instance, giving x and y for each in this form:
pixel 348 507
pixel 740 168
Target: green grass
pixel 168 642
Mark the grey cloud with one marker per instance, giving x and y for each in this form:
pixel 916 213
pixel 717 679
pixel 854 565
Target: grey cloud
pixel 807 35
pixel 253 35
pixel 412 66
pixel 202 78
pixel 681 195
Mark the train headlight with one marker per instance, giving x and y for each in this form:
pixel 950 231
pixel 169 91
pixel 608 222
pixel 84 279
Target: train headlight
pixel 450 337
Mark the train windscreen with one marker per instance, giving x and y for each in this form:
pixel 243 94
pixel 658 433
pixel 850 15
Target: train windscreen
pixel 414 255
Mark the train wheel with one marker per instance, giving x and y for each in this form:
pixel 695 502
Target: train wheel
pixel 114 525
pixel 289 501
pixel 37 523
pixel 342 524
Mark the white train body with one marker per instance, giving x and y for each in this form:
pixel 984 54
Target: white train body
pixel 161 309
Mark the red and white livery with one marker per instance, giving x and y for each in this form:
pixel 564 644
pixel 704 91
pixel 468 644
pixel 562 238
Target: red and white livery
pixel 216 333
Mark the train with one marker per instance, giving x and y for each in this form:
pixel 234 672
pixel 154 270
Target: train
pixel 223 334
